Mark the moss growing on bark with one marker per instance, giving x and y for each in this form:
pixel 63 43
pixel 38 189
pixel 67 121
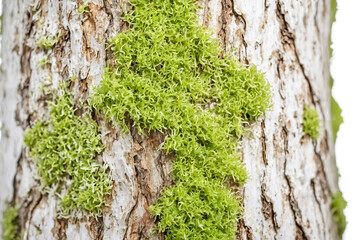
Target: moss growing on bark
pixel 43 62
pixel 48 42
pixel 338 205
pixel 82 8
pixel 64 150
pixel 168 76
pixel 311 122
pixel 9 225
pixel 336 118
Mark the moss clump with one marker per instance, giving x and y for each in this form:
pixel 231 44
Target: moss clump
pixel 64 150
pixel 336 118
pixel 43 62
pixel 9 225
pixel 48 42
pixel 82 8
pixel 311 123
pixel 167 76
pixel 338 204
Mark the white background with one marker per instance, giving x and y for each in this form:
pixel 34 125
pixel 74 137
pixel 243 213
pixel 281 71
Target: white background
pixel 345 69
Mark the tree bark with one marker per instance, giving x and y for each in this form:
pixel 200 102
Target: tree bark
pixel 292 177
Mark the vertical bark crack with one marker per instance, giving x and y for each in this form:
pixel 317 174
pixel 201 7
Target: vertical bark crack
pixel 300 233
pixel 288 39
pixel 268 208
pixel 243 229
pixel 240 19
pixel 223 21
pixel 59 229
pixel 263 143
pixel 322 171
pixel 312 183
pixel 14 182
pixel 315 19
pixel 129 215
pixel 35 201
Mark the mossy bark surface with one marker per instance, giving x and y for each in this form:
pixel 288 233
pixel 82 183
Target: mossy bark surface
pixel 292 176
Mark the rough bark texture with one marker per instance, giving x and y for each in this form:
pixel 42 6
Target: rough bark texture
pixel 292 177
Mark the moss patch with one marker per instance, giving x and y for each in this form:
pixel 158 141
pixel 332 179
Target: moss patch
pixel 9 225
pixel 311 123
pixel 338 204
pixel 82 8
pixel 48 42
pixel 43 62
pixel 336 118
pixel 64 150
pixel 168 76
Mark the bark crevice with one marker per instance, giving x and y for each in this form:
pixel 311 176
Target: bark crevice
pixel 300 232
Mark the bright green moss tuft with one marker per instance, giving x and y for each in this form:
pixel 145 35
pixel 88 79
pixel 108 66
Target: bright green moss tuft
pixel 198 208
pixel 168 76
pixel 9 225
pixel 336 118
pixel 82 8
pixel 338 204
pixel 311 123
pixel 64 150
pixel 48 42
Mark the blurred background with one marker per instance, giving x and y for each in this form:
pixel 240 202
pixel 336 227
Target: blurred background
pixel 346 90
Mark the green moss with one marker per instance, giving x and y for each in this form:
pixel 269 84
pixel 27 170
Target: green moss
pixel 82 8
pixel 338 204
pixel 333 10
pixel 48 42
pixel 311 123
pixel 34 8
pixel 9 225
pixel 336 118
pixel 168 76
pixel 64 150
pixel 43 62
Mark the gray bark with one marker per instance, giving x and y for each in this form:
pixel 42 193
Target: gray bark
pixel 292 177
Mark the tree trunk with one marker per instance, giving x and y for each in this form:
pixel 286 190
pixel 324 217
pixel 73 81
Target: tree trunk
pixel 292 177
